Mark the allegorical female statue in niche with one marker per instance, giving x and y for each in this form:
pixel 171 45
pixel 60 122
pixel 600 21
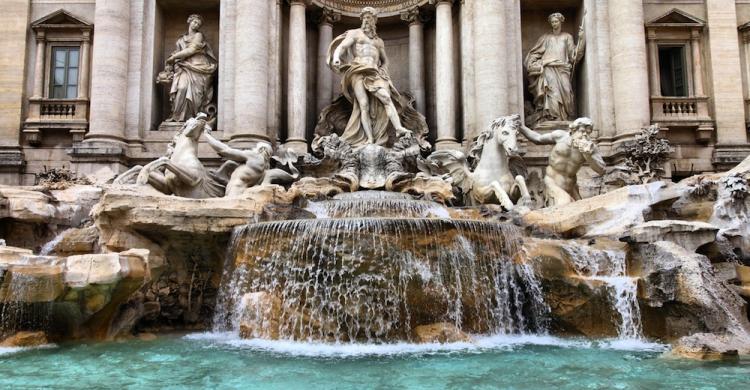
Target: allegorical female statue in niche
pixel 551 65
pixel 191 70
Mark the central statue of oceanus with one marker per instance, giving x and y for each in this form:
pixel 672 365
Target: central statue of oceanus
pixel 494 158
pixel 371 110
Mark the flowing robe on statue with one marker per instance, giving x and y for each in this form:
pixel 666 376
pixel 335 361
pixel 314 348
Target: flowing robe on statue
pixel 373 79
pixel 192 87
pixel 550 65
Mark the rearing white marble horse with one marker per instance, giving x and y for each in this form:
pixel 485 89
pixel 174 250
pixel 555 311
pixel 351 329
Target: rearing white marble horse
pixel 492 180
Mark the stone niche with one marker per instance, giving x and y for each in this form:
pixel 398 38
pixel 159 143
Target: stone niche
pixel 534 24
pixel 170 24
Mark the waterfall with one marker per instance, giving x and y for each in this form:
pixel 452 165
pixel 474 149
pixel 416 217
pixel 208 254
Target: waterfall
pixel 375 278
pixel 25 303
pixel 50 245
pixel 609 267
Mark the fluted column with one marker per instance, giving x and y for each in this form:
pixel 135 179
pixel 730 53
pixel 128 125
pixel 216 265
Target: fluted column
pixel 39 65
pixel 297 83
pixel 467 70
pixel 109 75
pixel 446 78
pixel 325 75
pixel 275 92
pixel 629 67
pixel 251 73
pixel 83 74
pixel 416 56
pixel 491 68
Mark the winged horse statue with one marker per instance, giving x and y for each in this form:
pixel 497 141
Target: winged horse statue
pixel 493 170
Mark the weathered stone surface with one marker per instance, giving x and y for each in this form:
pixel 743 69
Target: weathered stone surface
pixel 31 283
pixel 680 294
pixel 709 346
pixel 607 214
pixel 441 332
pixel 12 255
pixel 260 316
pixel 81 270
pixel 578 305
pixel 126 208
pixel 689 235
pixel 76 241
pixel 25 339
pixel 27 205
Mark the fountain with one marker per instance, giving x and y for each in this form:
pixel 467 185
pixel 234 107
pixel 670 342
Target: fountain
pixel 364 274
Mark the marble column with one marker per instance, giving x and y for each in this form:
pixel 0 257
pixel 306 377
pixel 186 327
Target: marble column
pixel 325 74
pixel 41 44
pixel 297 82
pixel 467 70
pixel 695 44
pixel 653 64
pixel 416 57
pixel 491 67
pixel 225 97
pixel 274 72
pixel 109 75
pixel 13 33
pixel 604 70
pixel 445 92
pixel 251 73
pixel 629 67
pixel 728 98
pixel 83 74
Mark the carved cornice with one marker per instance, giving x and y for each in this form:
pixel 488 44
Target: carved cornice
pixel 385 7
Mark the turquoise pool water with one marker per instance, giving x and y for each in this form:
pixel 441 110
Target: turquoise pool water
pixel 222 361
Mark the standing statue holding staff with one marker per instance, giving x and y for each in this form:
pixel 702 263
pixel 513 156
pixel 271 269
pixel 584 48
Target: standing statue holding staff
pixel 572 149
pixel 551 66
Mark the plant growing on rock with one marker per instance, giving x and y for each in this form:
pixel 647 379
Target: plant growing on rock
pixel 646 157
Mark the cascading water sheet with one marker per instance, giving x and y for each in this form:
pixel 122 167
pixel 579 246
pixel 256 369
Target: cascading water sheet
pixel 376 279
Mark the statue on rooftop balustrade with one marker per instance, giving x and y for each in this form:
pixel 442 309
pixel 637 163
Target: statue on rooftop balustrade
pixel 190 73
pixel 375 112
pixel 551 65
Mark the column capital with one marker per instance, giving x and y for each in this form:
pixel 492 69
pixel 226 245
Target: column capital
pixel 328 16
pixel 695 34
pixel 40 35
pixel 414 15
pixel 86 35
pixel 303 3
pixel 651 34
pixel 439 2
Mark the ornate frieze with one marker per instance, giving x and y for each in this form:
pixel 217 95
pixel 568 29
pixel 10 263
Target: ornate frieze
pixel 386 7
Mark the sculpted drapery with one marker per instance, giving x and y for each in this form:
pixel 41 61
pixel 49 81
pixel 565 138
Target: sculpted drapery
pixel 550 65
pixel 194 66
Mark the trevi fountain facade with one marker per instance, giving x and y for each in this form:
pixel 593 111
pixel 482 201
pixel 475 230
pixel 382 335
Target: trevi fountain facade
pixel 375 193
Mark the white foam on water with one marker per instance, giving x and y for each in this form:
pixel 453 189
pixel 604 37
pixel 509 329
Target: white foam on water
pixel 4 351
pixel 477 345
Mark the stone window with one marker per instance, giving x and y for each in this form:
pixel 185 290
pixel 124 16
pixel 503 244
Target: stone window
pixel 672 70
pixel 59 100
pixel 64 64
pixel 675 55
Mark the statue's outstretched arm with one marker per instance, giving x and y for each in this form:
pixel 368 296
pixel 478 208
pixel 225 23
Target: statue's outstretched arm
pixel 537 138
pixel 225 150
